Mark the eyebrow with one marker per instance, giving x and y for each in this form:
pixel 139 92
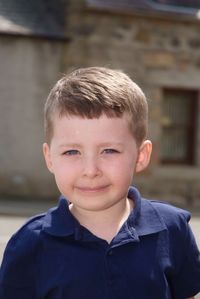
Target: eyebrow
pixel 109 144
pixel 69 145
pixel 104 144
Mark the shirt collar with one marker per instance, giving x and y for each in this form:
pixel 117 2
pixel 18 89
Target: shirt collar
pixel 59 221
pixel 143 220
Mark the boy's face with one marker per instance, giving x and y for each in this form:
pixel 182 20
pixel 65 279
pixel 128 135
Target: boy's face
pixel 93 160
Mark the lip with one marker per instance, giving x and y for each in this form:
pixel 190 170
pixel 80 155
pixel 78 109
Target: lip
pixel 92 189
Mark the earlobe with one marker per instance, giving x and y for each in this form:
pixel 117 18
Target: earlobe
pixel 47 156
pixel 144 156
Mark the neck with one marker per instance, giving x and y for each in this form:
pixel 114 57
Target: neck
pixel 98 222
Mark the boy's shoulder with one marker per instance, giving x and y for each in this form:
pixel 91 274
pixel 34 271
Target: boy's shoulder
pixel 29 231
pixel 21 249
pixel 153 216
pixel 172 217
pixel 54 221
pixel 168 211
pixel 27 237
pixel 33 224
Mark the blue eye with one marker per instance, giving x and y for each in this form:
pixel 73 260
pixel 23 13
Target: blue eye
pixel 110 151
pixel 72 152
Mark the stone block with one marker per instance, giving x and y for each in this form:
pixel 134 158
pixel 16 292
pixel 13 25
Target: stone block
pixel 159 59
pixel 143 36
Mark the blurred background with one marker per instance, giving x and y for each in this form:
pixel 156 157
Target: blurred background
pixel 156 42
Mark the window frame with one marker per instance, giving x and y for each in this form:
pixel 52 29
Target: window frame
pixel 189 159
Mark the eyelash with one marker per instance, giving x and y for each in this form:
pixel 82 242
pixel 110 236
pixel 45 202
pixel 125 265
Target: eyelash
pixel 71 152
pixel 110 151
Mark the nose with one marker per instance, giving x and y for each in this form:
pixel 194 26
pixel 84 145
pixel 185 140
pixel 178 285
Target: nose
pixel 91 167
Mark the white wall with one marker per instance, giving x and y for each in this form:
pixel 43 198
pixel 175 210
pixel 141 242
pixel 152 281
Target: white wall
pixel 28 69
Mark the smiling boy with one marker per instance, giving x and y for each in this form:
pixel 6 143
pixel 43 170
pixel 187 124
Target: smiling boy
pixel 93 161
pixel 103 240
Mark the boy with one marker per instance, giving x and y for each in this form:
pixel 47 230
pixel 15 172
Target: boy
pixel 103 240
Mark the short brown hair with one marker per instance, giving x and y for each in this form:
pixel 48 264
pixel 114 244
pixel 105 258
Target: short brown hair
pixel 93 91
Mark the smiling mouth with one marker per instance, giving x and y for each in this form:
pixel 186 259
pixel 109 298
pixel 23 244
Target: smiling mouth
pixel 92 189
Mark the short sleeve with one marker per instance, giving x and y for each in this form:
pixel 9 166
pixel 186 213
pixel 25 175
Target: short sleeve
pixel 186 282
pixel 17 271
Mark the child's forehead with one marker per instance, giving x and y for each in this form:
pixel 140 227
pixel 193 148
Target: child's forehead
pixel 103 126
pixel 90 134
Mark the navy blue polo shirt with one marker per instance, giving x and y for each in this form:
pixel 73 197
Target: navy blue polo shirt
pixel 154 256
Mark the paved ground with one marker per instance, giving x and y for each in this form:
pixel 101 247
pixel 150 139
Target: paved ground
pixel 12 216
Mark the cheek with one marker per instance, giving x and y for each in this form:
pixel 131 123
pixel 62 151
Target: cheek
pixel 66 172
pixel 63 167
pixel 129 163
pixel 60 180
pixel 64 182
pixel 123 170
pixel 62 173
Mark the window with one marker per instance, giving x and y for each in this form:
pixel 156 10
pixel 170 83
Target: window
pixel 179 117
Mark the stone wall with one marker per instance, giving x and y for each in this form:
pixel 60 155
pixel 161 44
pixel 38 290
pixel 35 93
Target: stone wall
pixel 157 53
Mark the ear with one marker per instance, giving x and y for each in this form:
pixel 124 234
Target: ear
pixel 144 155
pixel 47 156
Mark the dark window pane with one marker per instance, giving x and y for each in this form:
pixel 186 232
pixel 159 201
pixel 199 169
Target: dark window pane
pixel 177 108
pixel 178 126
pixel 174 145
